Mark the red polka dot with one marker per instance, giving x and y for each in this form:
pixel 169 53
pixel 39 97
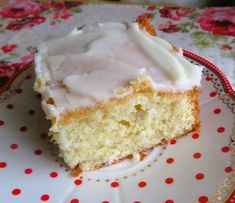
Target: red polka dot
pixel 10 106
pixel 44 135
pixel 105 202
pixel 115 184
pixel 53 174
pixel 228 169
pixel 28 171
pixel 39 96
pixel 18 91
pixel 220 129
pixel 28 77
pixel 16 191
pixel 172 142
pixel 78 182
pixel 195 136
pixel 169 180
pixel 13 146
pixel 169 201
pixel 3 164
pixel 170 160
pixel 31 112
pixel 197 155
pixel 212 94
pixel 199 176
pixel 225 149
pixel 150 8
pixel 23 129
pixel 142 184
pixel 217 111
pixel 2 122
pixel 203 199
pixel 45 197
pixel 208 78
pixel 74 201
pixel 38 152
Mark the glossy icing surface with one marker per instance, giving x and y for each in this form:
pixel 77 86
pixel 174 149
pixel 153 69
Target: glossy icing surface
pixel 83 68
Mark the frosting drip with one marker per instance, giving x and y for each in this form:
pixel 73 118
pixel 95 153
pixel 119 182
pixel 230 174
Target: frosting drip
pixel 83 68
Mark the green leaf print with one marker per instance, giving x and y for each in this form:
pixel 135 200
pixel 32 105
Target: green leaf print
pixel 44 13
pixel 230 54
pixel 218 37
pixel 202 39
pixel 30 48
pixel 13 55
pixel 1 31
pixel 193 15
pixel 8 57
pixel 81 27
pixel 3 62
pixel 43 2
pixel 186 27
pixel 75 10
pixel 233 41
pixel 206 39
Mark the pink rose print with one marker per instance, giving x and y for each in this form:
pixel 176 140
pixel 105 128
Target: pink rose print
pixel 8 48
pixel 145 15
pixel 28 58
pixel 151 8
pixel 29 13
pixel 62 11
pixel 8 70
pixel 23 14
pixel 21 9
pixel 25 23
pixel 226 47
pixel 168 27
pixel 219 21
pixel 65 4
pixel 63 14
pixel 175 13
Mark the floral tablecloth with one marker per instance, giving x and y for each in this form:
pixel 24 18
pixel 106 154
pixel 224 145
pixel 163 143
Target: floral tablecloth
pixel 208 32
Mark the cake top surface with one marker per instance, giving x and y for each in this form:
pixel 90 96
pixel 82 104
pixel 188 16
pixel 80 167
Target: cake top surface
pixel 83 68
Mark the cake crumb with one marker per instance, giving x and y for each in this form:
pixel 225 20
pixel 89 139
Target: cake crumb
pixel 76 171
pixel 143 154
pixel 175 48
pixel 144 23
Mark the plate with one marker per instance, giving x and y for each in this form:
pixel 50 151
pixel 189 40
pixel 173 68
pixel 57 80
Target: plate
pixel 195 168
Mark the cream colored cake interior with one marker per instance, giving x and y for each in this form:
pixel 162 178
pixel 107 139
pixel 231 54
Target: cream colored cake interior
pixel 125 127
pixel 115 91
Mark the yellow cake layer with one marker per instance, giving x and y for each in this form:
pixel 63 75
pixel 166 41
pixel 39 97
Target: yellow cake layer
pixel 101 135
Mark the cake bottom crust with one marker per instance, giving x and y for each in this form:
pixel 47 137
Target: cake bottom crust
pixel 93 138
pixel 77 170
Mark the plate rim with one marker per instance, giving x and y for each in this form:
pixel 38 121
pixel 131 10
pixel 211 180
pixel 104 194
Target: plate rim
pixel 223 78
pixel 226 85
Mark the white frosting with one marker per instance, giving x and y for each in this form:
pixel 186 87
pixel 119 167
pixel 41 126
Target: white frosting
pixel 81 69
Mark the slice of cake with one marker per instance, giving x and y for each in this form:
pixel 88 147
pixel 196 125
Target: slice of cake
pixel 114 92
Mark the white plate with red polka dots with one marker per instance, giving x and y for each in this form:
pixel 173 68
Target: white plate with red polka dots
pixel 195 168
